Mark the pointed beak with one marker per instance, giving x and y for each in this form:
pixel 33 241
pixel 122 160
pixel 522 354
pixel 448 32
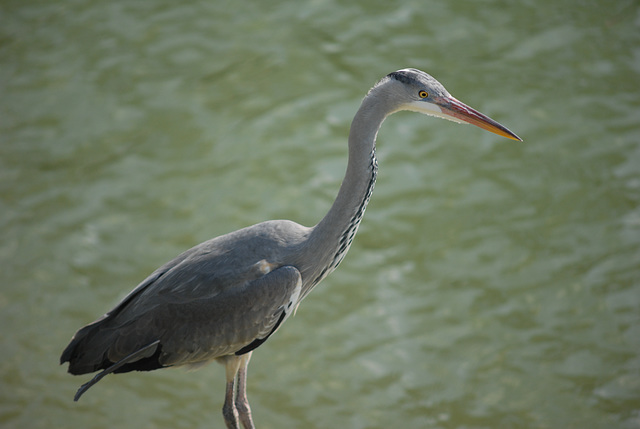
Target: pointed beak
pixel 450 106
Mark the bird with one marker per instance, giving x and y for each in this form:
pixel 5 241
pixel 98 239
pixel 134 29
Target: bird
pixel 223 298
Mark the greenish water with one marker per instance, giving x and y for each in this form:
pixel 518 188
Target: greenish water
pixel 493 284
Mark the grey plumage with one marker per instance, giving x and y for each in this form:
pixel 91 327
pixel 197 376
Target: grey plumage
pixel 223 298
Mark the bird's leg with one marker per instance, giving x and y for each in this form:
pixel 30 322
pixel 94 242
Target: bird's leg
pixel 242 403
pixel 229 409
pixel 232 363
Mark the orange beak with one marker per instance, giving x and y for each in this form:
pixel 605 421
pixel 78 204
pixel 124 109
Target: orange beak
pixel 450 106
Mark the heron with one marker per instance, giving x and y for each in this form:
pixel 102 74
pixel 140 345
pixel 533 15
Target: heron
pixel 225 297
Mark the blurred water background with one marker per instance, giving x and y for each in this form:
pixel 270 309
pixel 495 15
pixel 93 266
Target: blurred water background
pixel 493 284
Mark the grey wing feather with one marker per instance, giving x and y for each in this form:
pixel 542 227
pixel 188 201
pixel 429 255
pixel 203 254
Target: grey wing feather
pixel 234 319
pixel 211 320
pixel 213 299
pixel 249 316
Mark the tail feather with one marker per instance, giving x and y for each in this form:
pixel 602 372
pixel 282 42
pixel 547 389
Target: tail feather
pixel 82 357
pixel 91 350
pixel 145 352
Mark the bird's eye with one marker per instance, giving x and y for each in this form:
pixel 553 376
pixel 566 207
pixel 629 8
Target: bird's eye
pixel 423 94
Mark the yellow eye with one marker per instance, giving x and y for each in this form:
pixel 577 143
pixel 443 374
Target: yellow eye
pixel 423 94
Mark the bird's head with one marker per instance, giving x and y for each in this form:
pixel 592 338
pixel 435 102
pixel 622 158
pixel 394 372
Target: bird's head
pixel 417 91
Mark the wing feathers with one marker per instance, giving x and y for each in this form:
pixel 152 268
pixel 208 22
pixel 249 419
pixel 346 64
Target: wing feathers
pixel 198 324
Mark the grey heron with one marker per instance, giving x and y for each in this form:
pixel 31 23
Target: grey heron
pixel 225 297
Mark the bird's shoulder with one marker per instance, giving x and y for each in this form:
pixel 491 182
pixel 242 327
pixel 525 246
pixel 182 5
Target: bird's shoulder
pixel 224 264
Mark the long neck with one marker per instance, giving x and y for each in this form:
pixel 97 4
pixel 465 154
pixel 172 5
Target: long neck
pixel 332 236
